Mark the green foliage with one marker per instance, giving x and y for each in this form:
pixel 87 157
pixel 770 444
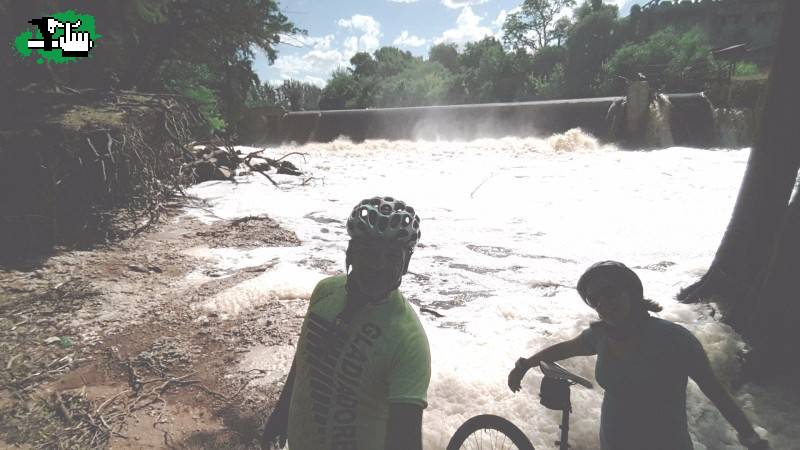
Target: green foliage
pixel 535 24
pixel 341 92
pixel 298 96
pixel 747 70
pixel 549 87
pixel 261 94
pixel 484 66
pixel 419 84
pixel 545 60
pixel 670 59
pixel 446 55
pixel 592 40
pixel 391 61
pixel 192 81
pixel 173 46
pixel 364 65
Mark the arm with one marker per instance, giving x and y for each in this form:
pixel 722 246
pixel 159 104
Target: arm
pixel 557 352
pixel 712 388
pixel 404 427
pixel 276 429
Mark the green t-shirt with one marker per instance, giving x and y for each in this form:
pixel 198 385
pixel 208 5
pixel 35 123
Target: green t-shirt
pixel 345 380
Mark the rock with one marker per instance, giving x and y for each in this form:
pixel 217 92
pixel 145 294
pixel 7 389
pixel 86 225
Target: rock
pixel 138 268
pixel 52 340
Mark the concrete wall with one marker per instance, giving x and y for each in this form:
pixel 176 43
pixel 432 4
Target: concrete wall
pixel 462 122
pixel 444 122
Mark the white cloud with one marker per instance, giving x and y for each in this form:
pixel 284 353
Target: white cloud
pixel 455 4
pixel 315 80
pixel 408 40
pixel 315 63
pixel 370 29
pixel 468 29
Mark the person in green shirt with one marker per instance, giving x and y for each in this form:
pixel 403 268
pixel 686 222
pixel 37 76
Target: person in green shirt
pixel 362 367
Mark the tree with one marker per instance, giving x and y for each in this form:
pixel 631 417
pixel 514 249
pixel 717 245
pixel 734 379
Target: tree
pixel 446 55
pixel 753 277
pixel 392 60
pixel 261 94
pixel 532 27
pixel 484 63
pixel 203 48
pixel 545 60
pixel 364 65
pixel 420 84
pixel 298 96
pixel 670 60
pixel 561 30
pixel 592 40
pixel 341 91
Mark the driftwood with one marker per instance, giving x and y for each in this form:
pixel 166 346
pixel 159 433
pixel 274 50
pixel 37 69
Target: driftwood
pixel 89 165
pixel 218 160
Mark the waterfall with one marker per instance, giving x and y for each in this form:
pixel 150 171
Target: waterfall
pixel 734 127
pixel 658 131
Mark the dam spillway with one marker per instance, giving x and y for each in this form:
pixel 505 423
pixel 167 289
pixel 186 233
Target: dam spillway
pixel 459 122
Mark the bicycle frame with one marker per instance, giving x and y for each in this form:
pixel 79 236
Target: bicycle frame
pixel 563 444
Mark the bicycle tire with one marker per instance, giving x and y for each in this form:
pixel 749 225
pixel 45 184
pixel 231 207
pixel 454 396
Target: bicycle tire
pixel 476 426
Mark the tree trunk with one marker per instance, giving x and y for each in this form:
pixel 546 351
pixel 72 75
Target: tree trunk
pixel 754 275
pixel 770 322
pixel 746 248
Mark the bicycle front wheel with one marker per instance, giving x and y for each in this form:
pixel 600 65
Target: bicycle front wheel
pixel 489 432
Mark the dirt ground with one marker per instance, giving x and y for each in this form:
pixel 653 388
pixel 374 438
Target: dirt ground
pixel 99 348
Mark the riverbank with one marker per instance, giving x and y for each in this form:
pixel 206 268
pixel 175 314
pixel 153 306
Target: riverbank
pixel 105 347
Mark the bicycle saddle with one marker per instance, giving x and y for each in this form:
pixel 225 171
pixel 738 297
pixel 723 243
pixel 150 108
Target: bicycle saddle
pixel 553 370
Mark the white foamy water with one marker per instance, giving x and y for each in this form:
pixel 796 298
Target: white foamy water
pixel 508 225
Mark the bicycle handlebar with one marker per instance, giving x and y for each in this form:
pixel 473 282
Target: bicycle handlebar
pixel 553 370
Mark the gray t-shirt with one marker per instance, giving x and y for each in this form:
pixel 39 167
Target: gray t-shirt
pixel 644 406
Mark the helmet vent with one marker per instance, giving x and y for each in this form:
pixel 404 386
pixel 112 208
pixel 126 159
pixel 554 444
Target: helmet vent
pixel 383 222
pixel 399 206
pixel 410 210
pixel 389 199
pixel 395 221
pixel 386 209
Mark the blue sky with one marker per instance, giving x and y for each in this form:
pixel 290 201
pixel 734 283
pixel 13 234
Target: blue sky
pixel 337 29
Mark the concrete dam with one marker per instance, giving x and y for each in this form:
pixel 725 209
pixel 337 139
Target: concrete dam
pixel 688 117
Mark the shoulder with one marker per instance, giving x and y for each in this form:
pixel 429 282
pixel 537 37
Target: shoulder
pixel 328 286
pixel 674 333
pixel 404 315
pixel 405 326
pixel 592 335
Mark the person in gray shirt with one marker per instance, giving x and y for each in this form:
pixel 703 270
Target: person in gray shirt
pixel 643 364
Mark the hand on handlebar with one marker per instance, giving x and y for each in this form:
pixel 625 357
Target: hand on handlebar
pixel 516 375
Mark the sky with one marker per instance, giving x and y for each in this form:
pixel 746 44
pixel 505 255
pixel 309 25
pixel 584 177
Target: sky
pixel 337 29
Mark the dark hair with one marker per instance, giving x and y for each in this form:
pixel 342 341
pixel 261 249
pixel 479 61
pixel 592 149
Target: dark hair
pixel 650 305
pixel 624 277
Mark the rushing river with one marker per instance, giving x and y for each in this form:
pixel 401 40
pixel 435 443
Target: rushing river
pixel 508 225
